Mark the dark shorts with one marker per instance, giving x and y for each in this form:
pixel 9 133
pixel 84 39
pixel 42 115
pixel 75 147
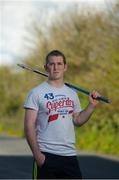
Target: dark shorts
pixel 57 167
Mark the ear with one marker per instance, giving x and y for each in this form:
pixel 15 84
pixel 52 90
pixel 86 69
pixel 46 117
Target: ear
pixel 65 67
pixel 45 67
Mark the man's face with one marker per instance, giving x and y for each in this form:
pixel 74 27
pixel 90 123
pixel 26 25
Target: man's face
pixel 55 67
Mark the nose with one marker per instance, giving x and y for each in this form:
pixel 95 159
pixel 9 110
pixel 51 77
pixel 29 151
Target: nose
pixel 55 66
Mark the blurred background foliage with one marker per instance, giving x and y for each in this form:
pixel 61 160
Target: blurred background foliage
pixel 90 41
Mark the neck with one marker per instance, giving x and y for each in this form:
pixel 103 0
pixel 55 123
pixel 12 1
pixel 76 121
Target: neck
pixel 56 83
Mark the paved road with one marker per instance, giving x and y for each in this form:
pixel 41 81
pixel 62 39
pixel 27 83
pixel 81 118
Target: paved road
pixel 16 162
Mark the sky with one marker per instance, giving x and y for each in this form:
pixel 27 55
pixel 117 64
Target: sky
pixel 16 15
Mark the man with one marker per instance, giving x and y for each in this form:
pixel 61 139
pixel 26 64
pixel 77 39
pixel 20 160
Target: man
pixel 52 110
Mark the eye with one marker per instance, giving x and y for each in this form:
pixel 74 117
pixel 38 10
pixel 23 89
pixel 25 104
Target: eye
pixel 59 63
pixel 51 64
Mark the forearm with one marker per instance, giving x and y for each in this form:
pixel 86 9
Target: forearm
pixel 84 115
pixel 81 118
pixel 30 133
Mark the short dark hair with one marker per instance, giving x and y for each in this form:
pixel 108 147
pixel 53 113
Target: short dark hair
pixel 55 53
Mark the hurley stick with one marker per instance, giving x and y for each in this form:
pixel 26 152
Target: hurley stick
pixel 103 99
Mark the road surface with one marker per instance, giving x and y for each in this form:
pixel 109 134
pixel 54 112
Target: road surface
pixel 16 162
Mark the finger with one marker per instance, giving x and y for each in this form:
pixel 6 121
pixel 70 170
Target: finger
pixel 95 94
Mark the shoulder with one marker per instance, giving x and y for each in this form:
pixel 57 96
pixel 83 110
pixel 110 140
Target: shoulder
pixel 40 87
pixel 71 90
pixel 37 90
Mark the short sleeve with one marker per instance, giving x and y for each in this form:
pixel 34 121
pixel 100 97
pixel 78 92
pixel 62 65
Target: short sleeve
pixel 32 101
pixel 77 105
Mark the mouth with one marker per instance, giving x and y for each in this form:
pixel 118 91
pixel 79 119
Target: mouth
pixel 55 72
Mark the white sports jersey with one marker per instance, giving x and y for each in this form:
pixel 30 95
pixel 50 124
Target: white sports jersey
pixel 55 128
